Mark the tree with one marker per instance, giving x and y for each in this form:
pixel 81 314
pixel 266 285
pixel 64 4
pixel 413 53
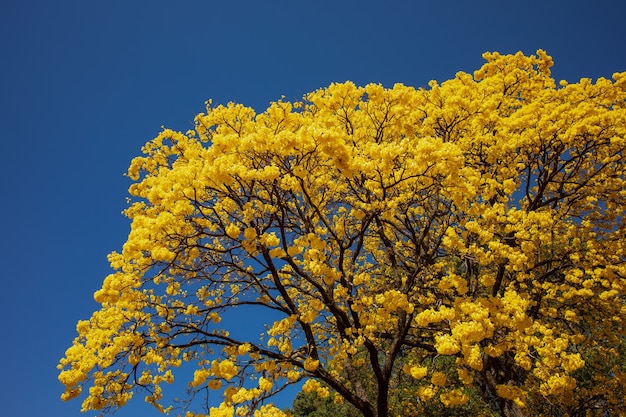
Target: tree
pixel 466 240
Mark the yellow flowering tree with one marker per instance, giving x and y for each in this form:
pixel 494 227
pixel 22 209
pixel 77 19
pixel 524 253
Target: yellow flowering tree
pixel 368 234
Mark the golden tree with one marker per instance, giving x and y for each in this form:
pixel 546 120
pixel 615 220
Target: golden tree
pixel 468 237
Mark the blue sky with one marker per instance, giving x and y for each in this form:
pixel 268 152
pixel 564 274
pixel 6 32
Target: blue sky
pixel 84 84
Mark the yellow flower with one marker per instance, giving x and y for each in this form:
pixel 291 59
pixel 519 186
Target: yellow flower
pixel 454 397
pixel 438 378
pixel 311 364
pixel 224 369
pixel 244 348
pixel 426 392
pixel 224 410
pixel 199 376
pixel 250 233
pixel 447 345
pixel 265 384
pixel 513 393
pixel 311 385
pixel 233 231
pixel 417 372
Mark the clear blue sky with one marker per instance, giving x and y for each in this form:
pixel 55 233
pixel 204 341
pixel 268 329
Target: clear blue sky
pixel 84 84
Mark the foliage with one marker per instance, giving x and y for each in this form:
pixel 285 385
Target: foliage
pixel 467 238
pixel 309 404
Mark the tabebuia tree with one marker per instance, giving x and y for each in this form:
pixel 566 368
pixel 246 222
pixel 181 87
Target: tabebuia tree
pixel 398 251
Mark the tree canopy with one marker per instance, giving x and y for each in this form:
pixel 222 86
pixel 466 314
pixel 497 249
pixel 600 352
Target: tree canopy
pixel 392 249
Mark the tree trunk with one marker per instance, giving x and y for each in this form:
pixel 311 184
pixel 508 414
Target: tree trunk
pixel 508 408
pixel 501 370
